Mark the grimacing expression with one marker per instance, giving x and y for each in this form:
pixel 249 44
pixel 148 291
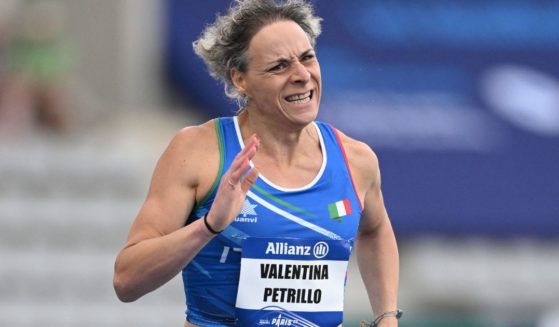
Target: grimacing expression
pixel 282 79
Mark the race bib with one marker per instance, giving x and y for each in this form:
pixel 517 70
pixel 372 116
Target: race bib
pixel 292 282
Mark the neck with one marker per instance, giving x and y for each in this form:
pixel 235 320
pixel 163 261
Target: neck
pixel 277 141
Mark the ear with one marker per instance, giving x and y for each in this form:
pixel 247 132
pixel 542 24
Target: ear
pixel 239 81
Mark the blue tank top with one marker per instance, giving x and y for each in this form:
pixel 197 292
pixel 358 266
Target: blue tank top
pixel 326 208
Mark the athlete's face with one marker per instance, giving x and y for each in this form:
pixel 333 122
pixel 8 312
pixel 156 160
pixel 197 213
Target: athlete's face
pixel 282 79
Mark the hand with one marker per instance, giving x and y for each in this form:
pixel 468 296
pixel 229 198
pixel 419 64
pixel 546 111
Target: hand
pixel 234 187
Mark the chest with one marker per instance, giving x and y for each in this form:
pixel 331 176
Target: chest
pixel 315 214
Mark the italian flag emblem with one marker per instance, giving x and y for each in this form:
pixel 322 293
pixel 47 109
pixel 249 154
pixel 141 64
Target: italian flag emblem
pixel 339 209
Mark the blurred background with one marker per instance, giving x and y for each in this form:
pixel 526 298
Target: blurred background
pixel 460 100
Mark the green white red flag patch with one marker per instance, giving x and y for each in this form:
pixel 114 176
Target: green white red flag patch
pixel 339 209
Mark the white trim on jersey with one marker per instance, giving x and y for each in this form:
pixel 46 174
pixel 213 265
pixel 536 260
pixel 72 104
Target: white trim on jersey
pixel 285 189
pixel 294 218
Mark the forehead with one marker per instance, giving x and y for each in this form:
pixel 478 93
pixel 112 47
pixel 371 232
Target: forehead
pixel 282 39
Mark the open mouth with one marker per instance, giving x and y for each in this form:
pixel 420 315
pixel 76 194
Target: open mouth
pixel 300 98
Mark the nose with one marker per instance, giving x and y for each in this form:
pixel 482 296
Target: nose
pixel 300 73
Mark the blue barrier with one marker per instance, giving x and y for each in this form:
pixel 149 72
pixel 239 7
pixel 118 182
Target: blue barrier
pixel 460 100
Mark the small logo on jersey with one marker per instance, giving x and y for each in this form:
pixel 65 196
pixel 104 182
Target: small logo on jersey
pixel 339 209
pixel 247 213
pixel 281 321
pixel 320 250
pixel 278 321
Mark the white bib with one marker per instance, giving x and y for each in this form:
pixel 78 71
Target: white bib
pixel 292 282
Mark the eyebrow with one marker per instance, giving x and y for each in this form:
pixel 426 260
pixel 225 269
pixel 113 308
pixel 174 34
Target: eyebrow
pixel 282 59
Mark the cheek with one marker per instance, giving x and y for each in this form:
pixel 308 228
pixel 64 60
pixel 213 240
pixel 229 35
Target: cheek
pixel 266 88
pixel 317 67
pixel 317 73
pixel 264 94
pixel 316 76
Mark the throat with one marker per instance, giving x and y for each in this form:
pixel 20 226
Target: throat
pixel 295 173
pixel 285 160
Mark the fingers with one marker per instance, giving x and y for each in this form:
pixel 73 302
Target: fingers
pixel 235 173
pixel 249 180
pixel 242 162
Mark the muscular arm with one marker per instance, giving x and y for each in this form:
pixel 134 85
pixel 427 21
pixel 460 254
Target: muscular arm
pixel 376 248
pixel 159 244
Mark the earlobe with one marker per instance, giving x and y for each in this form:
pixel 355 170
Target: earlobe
pixel 238 79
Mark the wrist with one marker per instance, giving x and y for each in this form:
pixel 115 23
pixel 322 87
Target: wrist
pixel 208 227
pixel 387 318
pixel 388 322
pixel 396 314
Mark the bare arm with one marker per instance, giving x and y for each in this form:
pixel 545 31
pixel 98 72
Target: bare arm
pixel 376 248
pixel 159 244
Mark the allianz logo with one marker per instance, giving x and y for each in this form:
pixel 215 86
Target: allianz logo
pixel 247 213
pixel 319 250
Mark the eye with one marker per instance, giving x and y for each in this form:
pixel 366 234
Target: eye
pixel 308 57
pixel 278 67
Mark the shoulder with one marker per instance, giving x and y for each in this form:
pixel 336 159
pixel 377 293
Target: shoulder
pixel 192 151
pixel 362 161
pixel 193 141
pixel 192 133
pixel 359 154
pixel 195 138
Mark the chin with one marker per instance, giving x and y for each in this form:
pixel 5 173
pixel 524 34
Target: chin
pixel 300 115
pixel 305 118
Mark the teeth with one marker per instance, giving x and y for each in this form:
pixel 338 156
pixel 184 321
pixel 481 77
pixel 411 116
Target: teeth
pixel 299 98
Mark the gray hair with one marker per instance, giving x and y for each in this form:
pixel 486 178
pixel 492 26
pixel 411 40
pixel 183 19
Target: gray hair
pixel 223 45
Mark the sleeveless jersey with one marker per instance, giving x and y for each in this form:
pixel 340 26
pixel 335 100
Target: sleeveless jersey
pixel 326 208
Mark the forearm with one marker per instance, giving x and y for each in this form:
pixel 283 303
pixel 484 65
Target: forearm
pixel 377 257
pixel 147 265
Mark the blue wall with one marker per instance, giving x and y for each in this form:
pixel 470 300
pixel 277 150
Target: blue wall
pixel 460 100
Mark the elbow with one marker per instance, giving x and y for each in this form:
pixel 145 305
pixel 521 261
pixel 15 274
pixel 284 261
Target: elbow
pixel 124 289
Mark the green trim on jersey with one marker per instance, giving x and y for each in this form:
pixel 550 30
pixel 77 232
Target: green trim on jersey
pixel 221 161
pixel 280 201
